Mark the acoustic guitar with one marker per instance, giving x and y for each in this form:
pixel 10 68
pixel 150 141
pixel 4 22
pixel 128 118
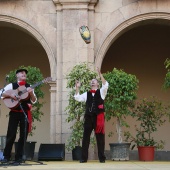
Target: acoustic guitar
pixel 21 91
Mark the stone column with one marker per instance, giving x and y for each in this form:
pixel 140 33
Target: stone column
pixel 53 112
pixel 59 74
pixel 71 49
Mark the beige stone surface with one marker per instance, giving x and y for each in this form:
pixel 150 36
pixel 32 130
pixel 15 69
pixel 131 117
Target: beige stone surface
pixel 64 140
pixel 94 164
pixel 98 38
pixel 98 18
pixel 130 10
pixel 82 55
pixel 126 2
pixel 146 6
pixel 67 66
pixel 65 130
pixel 64 105
pixel 69 38
pixel 52 128
pixel 163 6
pixel 58 138
pixel 7 7
pixel 91 55
pixel 108 6
pixel 45 7
pixel 111 21
pixel 58 124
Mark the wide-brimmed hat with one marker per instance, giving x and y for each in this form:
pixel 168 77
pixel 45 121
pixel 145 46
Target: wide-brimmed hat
pixel 20 70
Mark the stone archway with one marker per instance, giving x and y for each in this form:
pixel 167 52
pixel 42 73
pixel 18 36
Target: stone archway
pixel 28 29
pixel 124 27
pixel 33 32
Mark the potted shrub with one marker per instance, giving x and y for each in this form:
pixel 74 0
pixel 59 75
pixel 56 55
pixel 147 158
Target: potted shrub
pixel 34 75
pixel 76 110
pixel 118 103
pixel 150 114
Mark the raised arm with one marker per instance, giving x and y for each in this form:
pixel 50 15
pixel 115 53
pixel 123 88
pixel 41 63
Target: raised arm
pixel 77 96
pixel 101 76
pixel 77 85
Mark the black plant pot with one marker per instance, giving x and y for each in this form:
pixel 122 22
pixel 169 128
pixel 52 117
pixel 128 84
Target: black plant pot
pixel 29 149
pixel 76 153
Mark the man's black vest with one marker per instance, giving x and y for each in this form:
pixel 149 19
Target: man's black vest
pixel 24 103
pixel 93 102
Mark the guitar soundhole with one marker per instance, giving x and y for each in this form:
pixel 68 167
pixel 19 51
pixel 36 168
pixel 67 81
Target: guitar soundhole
pixel 20 93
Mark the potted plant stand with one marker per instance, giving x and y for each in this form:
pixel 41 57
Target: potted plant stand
pixel 146 153
pixel 119 151
pixel 76 153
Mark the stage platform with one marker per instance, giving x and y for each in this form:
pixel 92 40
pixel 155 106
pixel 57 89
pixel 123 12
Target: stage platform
pixel 91 165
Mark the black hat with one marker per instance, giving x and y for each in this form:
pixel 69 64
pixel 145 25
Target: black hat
pixel 20 70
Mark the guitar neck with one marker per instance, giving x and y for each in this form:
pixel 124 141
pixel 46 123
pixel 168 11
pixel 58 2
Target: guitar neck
pixel 33 86
pixel 36 84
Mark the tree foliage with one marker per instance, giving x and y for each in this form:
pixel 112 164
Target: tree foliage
pixel 166 84
pixel 121 95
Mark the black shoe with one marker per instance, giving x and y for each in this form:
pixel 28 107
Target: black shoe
pixel 102 161
pixel 17 162
pixel 5 160
pixel 83 161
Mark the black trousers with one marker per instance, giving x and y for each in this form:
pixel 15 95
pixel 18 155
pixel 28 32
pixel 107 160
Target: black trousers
pixel 15 119
pixel 89 125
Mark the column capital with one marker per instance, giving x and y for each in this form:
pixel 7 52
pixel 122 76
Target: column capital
pixel 53 85
pixel 75 4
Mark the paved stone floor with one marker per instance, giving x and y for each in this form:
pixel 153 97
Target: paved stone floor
pixel 92 165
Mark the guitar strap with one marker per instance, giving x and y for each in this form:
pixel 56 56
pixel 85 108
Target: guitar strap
pixel 29 118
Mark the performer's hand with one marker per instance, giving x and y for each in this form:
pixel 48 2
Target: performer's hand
pixel 29 90
pixel 30 106
pixel 98 70
pixel 15 96
pixel 101 76
pixel 77 84
pixel 32 96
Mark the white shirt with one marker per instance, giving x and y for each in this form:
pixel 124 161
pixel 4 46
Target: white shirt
pixel 9 87
pixel 83 97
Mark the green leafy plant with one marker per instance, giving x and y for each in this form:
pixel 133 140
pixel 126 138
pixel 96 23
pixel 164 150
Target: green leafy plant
pixel 151 114
pixel 33 75
pixel 166 84
pixel 120 98
pixel 76 110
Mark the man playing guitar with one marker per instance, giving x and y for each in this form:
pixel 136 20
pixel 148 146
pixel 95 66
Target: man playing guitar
pixel 16 115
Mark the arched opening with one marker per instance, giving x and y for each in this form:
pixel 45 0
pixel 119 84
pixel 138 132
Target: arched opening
pixel 19 47
pixel 142 50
